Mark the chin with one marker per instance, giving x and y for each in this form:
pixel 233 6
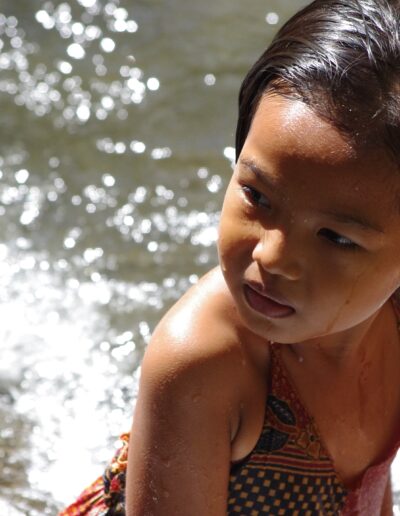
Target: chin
pixel 268 329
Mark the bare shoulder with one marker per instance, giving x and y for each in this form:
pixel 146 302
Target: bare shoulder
pixel 203 321
pixel 203 332
pixel 200 405
pixel 201 351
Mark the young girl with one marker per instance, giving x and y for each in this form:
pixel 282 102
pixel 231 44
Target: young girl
pixel 273 386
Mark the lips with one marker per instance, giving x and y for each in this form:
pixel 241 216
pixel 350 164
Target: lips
pixel 265 304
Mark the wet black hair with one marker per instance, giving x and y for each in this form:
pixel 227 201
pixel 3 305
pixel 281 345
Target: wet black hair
pixel 341 58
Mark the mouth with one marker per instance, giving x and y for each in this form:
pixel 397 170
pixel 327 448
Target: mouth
pixel 266 304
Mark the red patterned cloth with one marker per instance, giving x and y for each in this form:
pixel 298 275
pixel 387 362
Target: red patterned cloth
pixel 288 472
pixel 291 472
pixel 106 495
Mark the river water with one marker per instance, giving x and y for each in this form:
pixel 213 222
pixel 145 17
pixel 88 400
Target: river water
pixel 116 145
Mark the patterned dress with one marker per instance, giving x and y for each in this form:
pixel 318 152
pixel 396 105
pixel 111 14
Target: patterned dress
pixel 289 472
pixel 106 495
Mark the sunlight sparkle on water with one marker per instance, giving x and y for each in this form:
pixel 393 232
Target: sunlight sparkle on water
pixel 87 3
pixel 153 84
pixel 203 173
pixel 45 19
pixel 22 176
pixel 108 180
pixel 137 147
pixel 76 51
pixel 83 112
pixel 214 184
pixel 107 45
pixel 107 102
pixel 230 154
pixel 77 29
pixel 69 243
pixel 272 18
pixel 92 32
pixel 64 67
pixel 210 79
pixel 94 247
pixel 161 153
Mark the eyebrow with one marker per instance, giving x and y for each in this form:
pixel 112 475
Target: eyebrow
pixel 343 218
pixel 355 220
pixel 260 174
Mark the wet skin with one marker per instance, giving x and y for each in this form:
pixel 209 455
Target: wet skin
pixel 313 222
pixel 308 247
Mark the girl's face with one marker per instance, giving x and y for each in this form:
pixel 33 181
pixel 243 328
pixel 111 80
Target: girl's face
pixel 310 228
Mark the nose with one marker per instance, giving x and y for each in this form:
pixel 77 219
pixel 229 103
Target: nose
pixel 275 255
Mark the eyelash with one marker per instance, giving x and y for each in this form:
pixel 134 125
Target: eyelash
pixel 254 196
pixel 338 240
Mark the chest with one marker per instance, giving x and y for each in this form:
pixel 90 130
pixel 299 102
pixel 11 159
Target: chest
pixel 357 420
pixel 359 435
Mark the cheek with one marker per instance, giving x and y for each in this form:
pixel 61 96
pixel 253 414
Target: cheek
pixel 235 244
pixel 228 249
pixel 235 228
pixel 383 282
pixel 329 288
pixel 352 298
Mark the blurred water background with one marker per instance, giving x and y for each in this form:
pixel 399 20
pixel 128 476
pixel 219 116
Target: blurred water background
pixel 117 134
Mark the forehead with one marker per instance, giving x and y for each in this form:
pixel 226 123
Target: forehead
pixel 295 144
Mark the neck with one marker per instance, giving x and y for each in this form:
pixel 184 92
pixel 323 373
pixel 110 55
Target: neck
pixel 347 346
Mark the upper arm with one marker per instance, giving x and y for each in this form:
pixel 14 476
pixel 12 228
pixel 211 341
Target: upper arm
pixel 179 453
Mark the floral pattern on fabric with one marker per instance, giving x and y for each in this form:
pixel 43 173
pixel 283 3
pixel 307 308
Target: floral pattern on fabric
pixel 106 495
pixel 288 472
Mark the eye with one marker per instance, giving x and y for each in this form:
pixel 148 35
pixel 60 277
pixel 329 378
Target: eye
pixel 337 239
pixel 255 197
